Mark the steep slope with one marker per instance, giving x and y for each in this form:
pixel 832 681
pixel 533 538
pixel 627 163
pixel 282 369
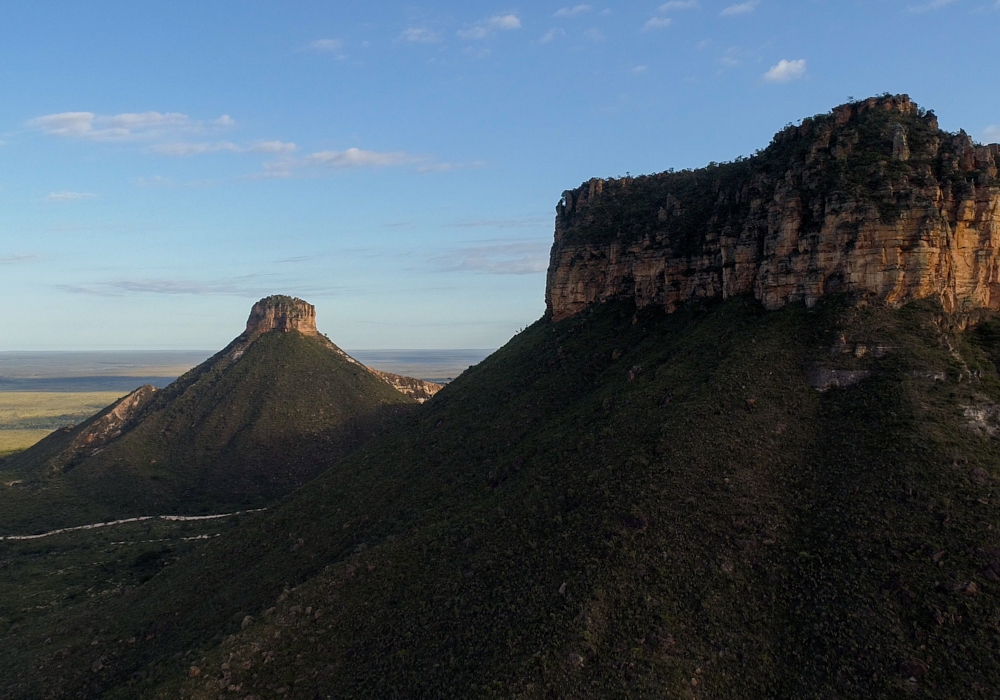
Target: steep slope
pixel 622 504
pixel 263 416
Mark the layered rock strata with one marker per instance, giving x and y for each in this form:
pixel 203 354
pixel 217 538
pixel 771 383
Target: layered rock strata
pixel 873 200
pixel 282 313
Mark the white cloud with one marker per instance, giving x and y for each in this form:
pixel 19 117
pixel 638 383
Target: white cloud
pixel 195 149
pixel 637 70
pixel 679 5
pixel 655 23
pixel 551 35
pixel 593 35
pixel 357 158
pixel 786 71
pixel 183 148
pixel 572 11
pixel 743 8
pixel 992 132
pixel 419 35
pixel 351 159
pixel 272 147
pixel 69 196
pixel 933 5
pixel 325 46
pixel 483 28
pixel 121 127
pixel 132 126
pixel 449 167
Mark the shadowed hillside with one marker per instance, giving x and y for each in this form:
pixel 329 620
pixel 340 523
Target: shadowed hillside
pixel 261 417
pixel 609 507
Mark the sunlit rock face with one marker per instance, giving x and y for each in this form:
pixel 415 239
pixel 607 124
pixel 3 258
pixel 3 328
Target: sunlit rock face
pixel 873 200
pixel 282 313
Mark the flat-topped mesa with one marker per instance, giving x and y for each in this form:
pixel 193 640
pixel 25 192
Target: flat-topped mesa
pixel 873 200
pixel 282 313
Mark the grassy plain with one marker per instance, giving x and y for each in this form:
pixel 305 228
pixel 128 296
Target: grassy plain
pixel 12 441
pixel 28 416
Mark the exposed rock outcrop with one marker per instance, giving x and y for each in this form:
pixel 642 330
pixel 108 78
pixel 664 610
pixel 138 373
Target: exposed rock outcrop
pixel 116 419
pixel 873 200
pixel 410 386
pixel 282 313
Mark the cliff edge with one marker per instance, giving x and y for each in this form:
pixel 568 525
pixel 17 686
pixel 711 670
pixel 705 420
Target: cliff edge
pixel 872 199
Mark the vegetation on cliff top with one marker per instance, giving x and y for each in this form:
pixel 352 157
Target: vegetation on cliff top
pixel 881 151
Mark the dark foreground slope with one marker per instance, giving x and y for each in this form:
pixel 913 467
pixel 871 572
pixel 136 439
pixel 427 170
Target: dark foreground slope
pixel 250 424
pixel 616 505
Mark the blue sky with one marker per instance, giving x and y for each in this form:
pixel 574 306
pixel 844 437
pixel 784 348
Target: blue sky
pixel 164 165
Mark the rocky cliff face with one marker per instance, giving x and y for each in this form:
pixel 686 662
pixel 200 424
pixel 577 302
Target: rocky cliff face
pixel 873 200
pixel 282 313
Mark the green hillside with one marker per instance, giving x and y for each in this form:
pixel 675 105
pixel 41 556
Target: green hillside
pixel 243 428
pixel 617 505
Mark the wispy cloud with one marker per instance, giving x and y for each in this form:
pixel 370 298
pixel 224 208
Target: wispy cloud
pixel 498 258
pixel 552 35
pixel 572 11
pixel 430 167
pixel 253 286
pixel 328 46
pixel 593 35
pixel 675 5
pixel 743 8
pixel 419 35
pixel 121 127
pixel 351 159
pixel 69 196
pixel 933 5
pixel 490 25
pixel 18 259
pixel 786 71
pixel 638 70
pixel 654 23
pixel 202 148
pixel 992 132
pixel 158 181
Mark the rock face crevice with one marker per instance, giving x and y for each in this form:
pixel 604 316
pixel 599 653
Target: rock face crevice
pixel 873 200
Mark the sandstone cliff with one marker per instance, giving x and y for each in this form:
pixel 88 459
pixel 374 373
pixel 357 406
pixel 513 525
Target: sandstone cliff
pixel 282 313
pixel 872 199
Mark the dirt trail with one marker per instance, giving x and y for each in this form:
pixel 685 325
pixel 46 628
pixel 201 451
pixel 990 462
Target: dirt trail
pixel 140 519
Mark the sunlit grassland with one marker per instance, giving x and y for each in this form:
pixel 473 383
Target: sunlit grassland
pixel 28 416
pixel 12 441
